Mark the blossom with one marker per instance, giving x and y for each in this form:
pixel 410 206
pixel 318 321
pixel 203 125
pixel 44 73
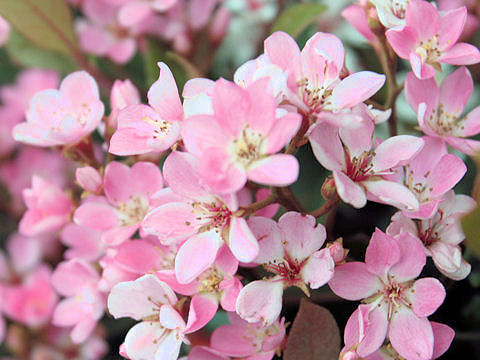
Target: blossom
pixel 191 213
pixel 82 242
pixel 429 175
pixel 65 116
pixel 49 208
pixel 441 234
pixel 128 195
pixel 439 109
pixel 358 167
pixel 239 141
pixel 246 340
pixel 84 305
pixel 162 330
pixel 430 38
pixel 141 128
pixel 394 303
pixel 391 13
pixel 290 250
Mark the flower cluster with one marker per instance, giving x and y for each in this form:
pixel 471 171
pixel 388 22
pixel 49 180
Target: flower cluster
pixel 168 212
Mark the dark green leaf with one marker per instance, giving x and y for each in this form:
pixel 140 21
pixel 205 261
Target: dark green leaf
pixel 294 19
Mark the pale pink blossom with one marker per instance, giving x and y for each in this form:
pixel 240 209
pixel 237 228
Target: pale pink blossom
pixel 394 303
pixel 128 194
pixel 241 339
pixel 162 330
pixel 290 251
pixel 49 208
pixel 359 167
pixel 429 38
pixel 241 139
pixel 32 302
pixel 204 219
pixel 391 13
pixel 84 305
pixel 441 234
pixel 82 242
pixel 440 109
pixel 217 285
pixel 429 175
pixel 65 116
pixel 142 129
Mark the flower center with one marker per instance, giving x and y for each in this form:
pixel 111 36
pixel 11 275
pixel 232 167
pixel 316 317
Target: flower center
pixel 428 50
pixel 247 148
pixel 160 127
pixel 421 189
pixel 213 215
pixel 359 168
pixel 314 96
pixel 399 7
pixel 443 122
pixel 133 211
pixel 210 281
pixel 287 269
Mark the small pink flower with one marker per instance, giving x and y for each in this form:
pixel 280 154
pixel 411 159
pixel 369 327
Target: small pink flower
pixel 394 305
pixel 430 38
pixel 202 219
pixel 49 208
pixel 84 305
pixel 162 330
pixel 248 341
pixel 439 109
pixel 358 167
pixel 291 251
pixel 129 192
pixel 65 116
pixel 239 141
pixel 142 129
pixel 441 234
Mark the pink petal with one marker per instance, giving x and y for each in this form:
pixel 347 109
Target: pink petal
pixel 201 132
pixel 180 171
pixel 412 259
pixel 188 265
pixel 381 254
pixel 163 96
pixel 147 178
pixel 448 172
pixel 170 318
pixel 394 150
pixel 347 94
pixel 119 234
pixel 133 13
pixel 269 238
pixel 277 170
pixel 349 191
pixel 443 337
pixel 127 141
pixel 357 17
pixel 411 336
pixel 461 54
pixel 427 295
pixel 467 146
pixel 168 347
pixel 122 51
pixel 260 300
pixel 71 276
pixel 392 193
pixel 262 110
pixel 203 308
pixel 96 215
pixel 319 269
pixel 423 17
pixel 327 147
pixel 472 123
pixel 143 340
pixel 241 241
pixel 455 91
pixel 205 353
pixel 283 130
pixel 353 281
pixel 419 91
pixel 373 326
pixel 231 340
pixel 118 182
pixel 451 26
pixel 403 40
pixel 301 237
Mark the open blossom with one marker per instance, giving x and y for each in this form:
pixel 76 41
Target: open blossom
pixel 204 219
pixel 394 303
pixel 65 116
pixel 440 109
pixel 391 13
pixel 441 234
pixel 128 193
pixel 49 208
pixel 141 128
pixel 217 285
pixel 241 339
pixel 291 251
pixel 315 84
pixel 162 330
pixel 430 38
pixel 429 175
pixel 84 305
pixel 358 167
pixel 239 141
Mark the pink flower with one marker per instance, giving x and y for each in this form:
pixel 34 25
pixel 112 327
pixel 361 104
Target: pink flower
pixel 191 212
pixel 439 109
pixel 290 250
pixel 429 175
pixel 394 305
pixel 391 13
pixel 65 116
pixel 239 141
pixel 356 15
pixel 315 84
pixel 162 330
pixel 135 11
pixel 128 193
pixel 82 242
pixel 429 38
pixel 358 167
pixel 31 302
pixel 143 129
pixel 248 341
pixel 441 234
pixel 217 285
pixel 49 208
pixel 84 305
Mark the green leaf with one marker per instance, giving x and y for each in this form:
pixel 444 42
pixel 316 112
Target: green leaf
pixel 471 228
pixel 24 53
pixel 294 19
pixel 46 23
pixel 314 334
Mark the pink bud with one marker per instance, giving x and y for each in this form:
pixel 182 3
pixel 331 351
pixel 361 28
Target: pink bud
pixel 337 251
pixel 89 178
pixel 350 355
pixel 123 93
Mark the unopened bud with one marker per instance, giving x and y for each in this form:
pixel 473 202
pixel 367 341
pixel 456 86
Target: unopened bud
pixel 337 251
pixel 89 178
pixel 328 188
